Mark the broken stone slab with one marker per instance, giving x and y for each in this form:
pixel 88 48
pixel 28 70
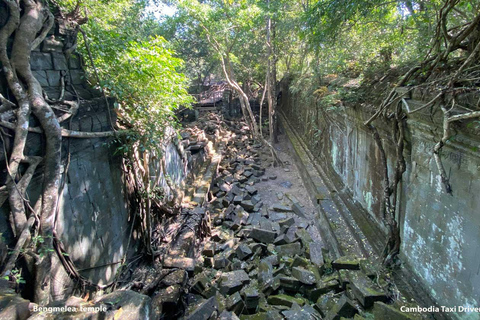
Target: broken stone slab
pixel 344 308
pixel 251 190
pixel 300 262
pixel 243 251
pixel 208 262
pixel 233 281
pixel 242 179
pixel 238 199
pixel 200 283
pixel 267 224
pixel 273 315
pixel 237 265
pixel 187 264
pixel 243 233
pixel 325 303
pixel 272 259
pixel 286 184
pixel 346 262
pixel 271 249
pixel 281 208
pixel 322 288
pixel 344 277
pixel 258 206
pixel 276 216
pixel 265 272
pixel 284 300
pixel 257 316
pixel 235 303
pixel 303 275
pixel 290 249
pixel 365 291
pixel 280 240
pixel 210 292
pixel 220 261
pixel 226 202
pixel 261 235
pixel 236 190
pixel 256 199
pixel 247 174
pixel 370 268
pixel 316 254
pixel 166 298
pixel 218 203
pixel 254 218
pixel 286 223
pixel 281 269
pixel 247 205
pixel 205 310
pixel 230 212
pixel 225 187
pixel 304 313
pixel 229 197
pixel 292 198
pixel 175 277
pixel 291 234
pixel 228 225
pixel 253 273
pixel 304 236
pixel 225 315
pixel 290 284
pixel 240 220
pixel 299 210
pixel 251 297
pixel 209 250
pixel 259 247
pixel 220 235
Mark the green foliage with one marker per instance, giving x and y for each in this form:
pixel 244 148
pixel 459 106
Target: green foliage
pixel 234 27
pixel 38 242
pixel 136 66
pixel 16 276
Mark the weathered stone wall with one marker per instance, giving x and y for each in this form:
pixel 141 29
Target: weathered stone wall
pixel 93 221
pixel 440 233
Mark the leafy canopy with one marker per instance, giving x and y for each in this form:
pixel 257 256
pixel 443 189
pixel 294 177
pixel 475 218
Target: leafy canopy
pixel 135 65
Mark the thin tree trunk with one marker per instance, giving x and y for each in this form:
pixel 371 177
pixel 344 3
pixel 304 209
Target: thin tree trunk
pixel 271 79
pixel 274 85
pixel 261 107
pixel 269 76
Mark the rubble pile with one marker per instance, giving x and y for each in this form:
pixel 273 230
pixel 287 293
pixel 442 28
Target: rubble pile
pixel 263 257
pixel 265 262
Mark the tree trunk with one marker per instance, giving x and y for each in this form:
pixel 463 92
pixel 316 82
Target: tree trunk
pixel 274 86
pixel 36 20
pixel 271 79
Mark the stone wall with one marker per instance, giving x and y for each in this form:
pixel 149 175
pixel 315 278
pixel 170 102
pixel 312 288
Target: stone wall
pixel 440 233
pixel 94 222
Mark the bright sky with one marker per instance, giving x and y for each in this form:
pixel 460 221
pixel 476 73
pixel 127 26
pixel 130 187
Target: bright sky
pixel 160 10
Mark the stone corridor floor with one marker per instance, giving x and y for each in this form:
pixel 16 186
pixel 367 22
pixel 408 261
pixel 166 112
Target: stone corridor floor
pixel 265 258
